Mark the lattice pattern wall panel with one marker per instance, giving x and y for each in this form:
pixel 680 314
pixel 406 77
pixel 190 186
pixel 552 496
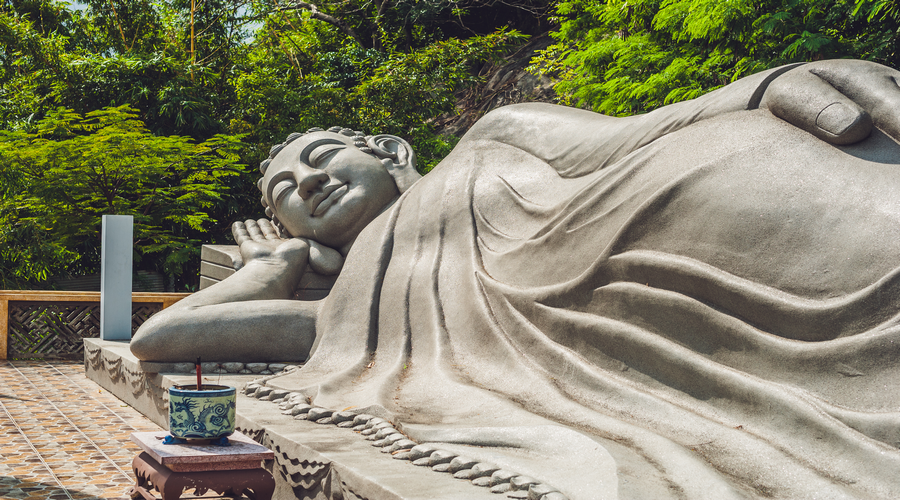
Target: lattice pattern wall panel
pixel 140 313
pixel 54 330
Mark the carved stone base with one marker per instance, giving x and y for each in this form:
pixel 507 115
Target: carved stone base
pixel 111 365
pixel 312 461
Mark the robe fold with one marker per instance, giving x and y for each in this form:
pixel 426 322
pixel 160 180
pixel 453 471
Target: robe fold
pixel 708 313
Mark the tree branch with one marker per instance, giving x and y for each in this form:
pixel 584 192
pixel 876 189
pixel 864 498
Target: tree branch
pixel 316 14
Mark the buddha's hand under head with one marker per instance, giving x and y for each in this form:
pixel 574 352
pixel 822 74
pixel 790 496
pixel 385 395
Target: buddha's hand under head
pixel 838 100
pixel 259 242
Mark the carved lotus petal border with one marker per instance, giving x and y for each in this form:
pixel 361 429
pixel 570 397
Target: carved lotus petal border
pixel 384 435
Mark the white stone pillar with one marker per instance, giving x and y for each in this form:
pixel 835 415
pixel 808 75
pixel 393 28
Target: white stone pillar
pixel 115 277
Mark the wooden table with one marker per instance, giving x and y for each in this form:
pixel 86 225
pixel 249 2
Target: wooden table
pixel 228 470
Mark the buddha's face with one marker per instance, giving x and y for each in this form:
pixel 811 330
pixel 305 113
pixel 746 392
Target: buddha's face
pixel 322 187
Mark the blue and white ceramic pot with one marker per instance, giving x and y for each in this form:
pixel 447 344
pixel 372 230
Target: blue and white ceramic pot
pixel 206 414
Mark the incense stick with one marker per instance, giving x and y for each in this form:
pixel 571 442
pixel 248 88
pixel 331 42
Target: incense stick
pixel 199 384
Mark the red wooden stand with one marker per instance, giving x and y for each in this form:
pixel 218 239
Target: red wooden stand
pixel 171 469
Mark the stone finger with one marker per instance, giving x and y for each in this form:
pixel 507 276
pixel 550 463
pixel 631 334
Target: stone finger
pixel 239 232
pixel 254 231
pixel 265 226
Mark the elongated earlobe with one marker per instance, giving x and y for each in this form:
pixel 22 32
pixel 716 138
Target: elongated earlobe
pixel 324 260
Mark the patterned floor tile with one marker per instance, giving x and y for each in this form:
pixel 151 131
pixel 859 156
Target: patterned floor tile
pixel 62 436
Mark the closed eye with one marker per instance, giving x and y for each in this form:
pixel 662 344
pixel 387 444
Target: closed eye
pixel 319 157
pixel 282 189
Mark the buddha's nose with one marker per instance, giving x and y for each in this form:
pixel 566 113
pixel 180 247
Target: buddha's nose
pixel 310 180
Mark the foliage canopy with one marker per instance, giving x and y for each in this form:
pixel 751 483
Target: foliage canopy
pixel 621 57
pixel 69 169
pixel 150 108
pixel 156 108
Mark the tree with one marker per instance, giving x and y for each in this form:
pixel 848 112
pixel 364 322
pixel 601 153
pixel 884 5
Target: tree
pixel 388 25
pixel 195 70
pixel 300 80
pixel 70 169
pixel 621 57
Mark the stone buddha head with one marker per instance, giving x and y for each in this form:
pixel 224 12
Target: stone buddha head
pixel 328 185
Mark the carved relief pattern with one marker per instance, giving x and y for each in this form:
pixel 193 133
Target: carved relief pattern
pixel 306 478
pixel 312 480
pixel 321 480
pixel 54 330
pixel 254 434
pixel 349 494
pixel 118 373
pixel 140 384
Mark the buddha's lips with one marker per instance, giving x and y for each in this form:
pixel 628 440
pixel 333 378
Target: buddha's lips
pixel 330 195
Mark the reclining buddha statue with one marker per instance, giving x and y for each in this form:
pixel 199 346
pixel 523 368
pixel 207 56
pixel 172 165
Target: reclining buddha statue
pixel 696 302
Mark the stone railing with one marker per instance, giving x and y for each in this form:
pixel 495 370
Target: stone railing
pixel 52 324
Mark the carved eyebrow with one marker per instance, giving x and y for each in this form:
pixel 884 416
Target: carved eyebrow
pixel 308 149
pixel 302 157
pixel 286 174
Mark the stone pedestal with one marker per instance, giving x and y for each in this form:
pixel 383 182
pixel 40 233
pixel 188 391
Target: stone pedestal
pixel 311 461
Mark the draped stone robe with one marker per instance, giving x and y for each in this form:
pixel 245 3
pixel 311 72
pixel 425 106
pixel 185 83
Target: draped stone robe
pixel 697 303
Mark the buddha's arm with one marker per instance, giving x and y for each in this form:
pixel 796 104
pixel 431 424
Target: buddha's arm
pixel 259 330
pixel 247 317
pixel 830 99
pixel 569 137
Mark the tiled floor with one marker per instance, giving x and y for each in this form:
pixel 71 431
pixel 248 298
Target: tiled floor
pixel 62 436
